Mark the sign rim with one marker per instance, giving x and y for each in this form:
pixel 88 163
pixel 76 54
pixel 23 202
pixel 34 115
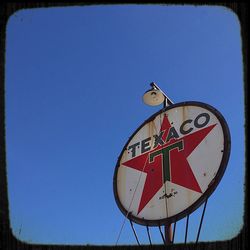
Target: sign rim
pixel 213 183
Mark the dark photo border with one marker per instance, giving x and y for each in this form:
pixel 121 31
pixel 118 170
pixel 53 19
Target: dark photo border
pixel 8 241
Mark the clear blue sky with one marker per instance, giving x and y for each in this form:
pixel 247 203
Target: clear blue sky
pixel 75 77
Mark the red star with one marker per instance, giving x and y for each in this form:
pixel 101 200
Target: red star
pixel 176 170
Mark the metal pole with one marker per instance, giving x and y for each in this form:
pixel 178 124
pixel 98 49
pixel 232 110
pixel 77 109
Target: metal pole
pixel 168 234
pixel 167 227
pixel 167 100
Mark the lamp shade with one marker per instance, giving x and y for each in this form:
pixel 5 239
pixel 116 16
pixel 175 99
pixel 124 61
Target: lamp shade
pixel 153 97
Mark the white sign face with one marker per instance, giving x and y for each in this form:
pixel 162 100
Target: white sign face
pixel 172 163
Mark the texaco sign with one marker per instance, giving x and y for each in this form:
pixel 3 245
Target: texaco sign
pixel 172 163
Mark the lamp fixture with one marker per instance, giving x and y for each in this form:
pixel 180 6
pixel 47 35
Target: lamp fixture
pixel 155 96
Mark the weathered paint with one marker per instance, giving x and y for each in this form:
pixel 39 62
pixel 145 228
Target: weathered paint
pixel 172 163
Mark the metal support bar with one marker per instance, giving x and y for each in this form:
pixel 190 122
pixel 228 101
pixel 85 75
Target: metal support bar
pixel 149 236
pixel 186 229
pixel 167 101
pixel 162 236
pixel 134 232
pixel 203 212
pixel 173 232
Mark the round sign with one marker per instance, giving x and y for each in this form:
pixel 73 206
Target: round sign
pixel 172 163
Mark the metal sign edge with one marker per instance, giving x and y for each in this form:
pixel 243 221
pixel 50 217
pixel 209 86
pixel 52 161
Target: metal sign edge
pixel 213 184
